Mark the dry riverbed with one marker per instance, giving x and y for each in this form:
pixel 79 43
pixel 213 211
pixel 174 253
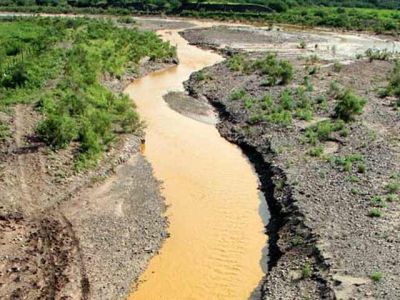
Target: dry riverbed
pixel 325 240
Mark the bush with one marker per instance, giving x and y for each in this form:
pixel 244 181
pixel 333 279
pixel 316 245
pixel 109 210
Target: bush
pixel 377 276
pixel 306 271
pixel 392 198
pixel 378 201
pixel 322 131
pixel 394 81
pixel 349 105
pixel 239 63
pixel 337 67
pixel 16 76
pixel 375 213
pixel 277 71
pixel 237 94
pixel 393 186
pixel 58 130
pixel 316 151
pixel 4 132
pixel 376 54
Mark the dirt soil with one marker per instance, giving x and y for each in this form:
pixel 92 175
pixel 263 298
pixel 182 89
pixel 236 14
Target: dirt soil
pixel 323 242
pixel 69 235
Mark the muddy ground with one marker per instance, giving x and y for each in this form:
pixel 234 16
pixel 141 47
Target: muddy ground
pixel 324 243
pixel 69 235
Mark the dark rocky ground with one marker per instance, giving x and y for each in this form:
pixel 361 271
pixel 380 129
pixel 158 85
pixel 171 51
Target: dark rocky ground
pixel 323 242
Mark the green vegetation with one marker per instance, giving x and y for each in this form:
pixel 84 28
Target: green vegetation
pixel 394 84
pixel 393 186
pixel 376 54
pixel 349 105
pixel 392 198
pixel 297 240
pixel 348 14
pixel 378 201
pixel 347 161
pixel 337 67
pixel 59 64
pixel 277 71
pixel 322 131
pixel 377 276
pixel 306 271
pixel 375 213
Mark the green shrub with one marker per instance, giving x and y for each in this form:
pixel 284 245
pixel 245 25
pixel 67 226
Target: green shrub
pixel 58 130
pixel 238 94
pixel 375 213
pixel 393 186
pixel 286 100
pixel 126 20
pixel 349 105
pixel 306 271
pixel 392 198
pixel 378 201
pixel 316 151
pixel 4 132
pixel 304 114
pixel 239 63
pixel 346 161
pixel 297 240
pixel 14 77
pixel 283 118
pixel 337 67
pixel 277 71
pixel 376 54
pixel 361 168
pixel 377 276
pixel 394 81
pixel 322 131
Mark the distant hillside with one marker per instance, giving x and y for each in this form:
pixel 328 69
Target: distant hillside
pixel 256 5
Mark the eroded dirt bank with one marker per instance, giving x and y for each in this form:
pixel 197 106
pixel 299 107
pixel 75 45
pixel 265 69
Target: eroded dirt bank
pixel 324 241
pixel 69 235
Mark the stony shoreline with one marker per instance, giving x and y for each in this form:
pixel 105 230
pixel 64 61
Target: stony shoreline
pixel 324 244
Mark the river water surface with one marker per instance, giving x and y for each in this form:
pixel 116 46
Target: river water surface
pixel 217 233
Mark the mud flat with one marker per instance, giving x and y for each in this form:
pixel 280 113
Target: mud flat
pixel 324 241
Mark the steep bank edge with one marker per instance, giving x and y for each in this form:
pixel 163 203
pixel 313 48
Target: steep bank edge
pixel 286 219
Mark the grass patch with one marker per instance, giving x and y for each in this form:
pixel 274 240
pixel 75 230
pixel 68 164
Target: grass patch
pixel 376 276
pixel 375 213
pixel 306 271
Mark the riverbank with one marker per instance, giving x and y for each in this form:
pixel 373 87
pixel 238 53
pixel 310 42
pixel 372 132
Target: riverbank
pixel 333 206
pixel 67 234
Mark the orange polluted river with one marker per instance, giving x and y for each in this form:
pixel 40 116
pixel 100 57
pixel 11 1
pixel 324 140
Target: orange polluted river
pixel 217 232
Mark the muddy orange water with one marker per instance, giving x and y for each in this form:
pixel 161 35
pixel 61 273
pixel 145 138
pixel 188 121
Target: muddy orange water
pixel 217 237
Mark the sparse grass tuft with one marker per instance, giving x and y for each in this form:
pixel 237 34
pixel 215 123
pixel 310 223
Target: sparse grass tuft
pixel 306 271
pixel 375 213
pixel 377 276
